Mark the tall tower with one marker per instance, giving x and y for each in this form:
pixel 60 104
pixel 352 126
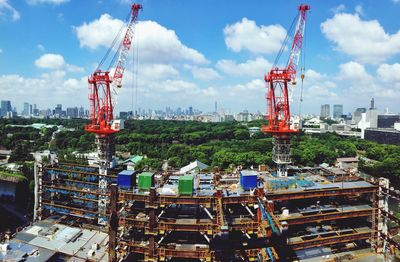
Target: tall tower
pixel 102 89
pixel 278 108
pixel 372 104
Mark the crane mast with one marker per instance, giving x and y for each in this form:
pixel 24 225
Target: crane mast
pixel 102 122
pixel 278 106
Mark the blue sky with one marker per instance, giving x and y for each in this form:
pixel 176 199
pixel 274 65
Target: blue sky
pixel 192 53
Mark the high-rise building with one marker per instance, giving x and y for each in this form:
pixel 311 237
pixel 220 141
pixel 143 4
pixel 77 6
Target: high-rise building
pixel 5 107
pixel 123 115
pixel 58 110
pixel 357 114
pixel 35 110
pixel 26 112
pixel 372 104
pixel 216 107
pixel 325 111
pixel 72 112
pixel 337 111
pixel 81 112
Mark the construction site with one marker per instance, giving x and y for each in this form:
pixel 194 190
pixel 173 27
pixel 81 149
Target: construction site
pixel 282 212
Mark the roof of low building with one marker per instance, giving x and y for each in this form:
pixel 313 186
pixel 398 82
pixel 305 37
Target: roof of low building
pixel 347 159
pixel 5 152
pixel 135 159
pixel 192 166
pixel 11 177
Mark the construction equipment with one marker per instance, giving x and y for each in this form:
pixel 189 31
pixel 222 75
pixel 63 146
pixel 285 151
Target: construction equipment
pixel 102 105
pixel 278 108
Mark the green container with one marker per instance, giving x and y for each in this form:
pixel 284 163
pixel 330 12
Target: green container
pixel 185 185
pixel 146 180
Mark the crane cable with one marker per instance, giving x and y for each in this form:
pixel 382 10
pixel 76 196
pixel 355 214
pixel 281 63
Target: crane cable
pixel 302 74
pixel 135 62
pixel 285 42
pixel 111 47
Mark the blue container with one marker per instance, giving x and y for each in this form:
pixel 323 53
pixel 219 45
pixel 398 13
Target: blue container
pixel 126 179
pixel 248 179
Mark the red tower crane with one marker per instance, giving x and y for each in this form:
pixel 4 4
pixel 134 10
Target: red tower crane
pixel 278 106
pixel 101 101
pixel 102 104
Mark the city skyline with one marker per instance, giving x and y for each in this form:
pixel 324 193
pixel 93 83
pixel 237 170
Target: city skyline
pixel 216 63
pixel 330 111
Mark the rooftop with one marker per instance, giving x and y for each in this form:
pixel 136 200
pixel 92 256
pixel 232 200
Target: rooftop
pixel 48 238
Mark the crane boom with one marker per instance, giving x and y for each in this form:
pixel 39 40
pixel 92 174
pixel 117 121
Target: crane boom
pixel 125 46
pixel 297 42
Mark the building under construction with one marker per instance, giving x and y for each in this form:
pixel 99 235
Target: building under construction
pixel 248 215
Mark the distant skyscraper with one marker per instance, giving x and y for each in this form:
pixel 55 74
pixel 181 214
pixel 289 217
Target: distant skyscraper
pixel 35 110
pixel 81 112
pixel 58 110
pixel 190 110
pixel 372 104
pixel 337 111
pixel 72 112
pixel 357 114
pixel 5 107
pixel 25 112
pixel 325 111
pixel 216 107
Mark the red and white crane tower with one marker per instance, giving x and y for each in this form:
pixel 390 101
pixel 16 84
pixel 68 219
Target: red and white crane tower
pixel 102 103
pixel 278 104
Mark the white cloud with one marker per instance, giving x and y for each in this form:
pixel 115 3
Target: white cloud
pixel 358 85
pixel 50 61
pixel 365 41
pixel 54 86
pixel 249 95
pixel 359 10
pixel 204 73
pixel 55 2
pixel 389 73
pixel 313 75
pixel 318 89
pixel 247 35
pixel 6 9
pixel 253 68
pixel 56 62
pixel 74 68
pixel 100 32
pixel 155 42
pixel 157 71
pixel 338 9
pixel 255 84
pixel 354 72
pixel 40 47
